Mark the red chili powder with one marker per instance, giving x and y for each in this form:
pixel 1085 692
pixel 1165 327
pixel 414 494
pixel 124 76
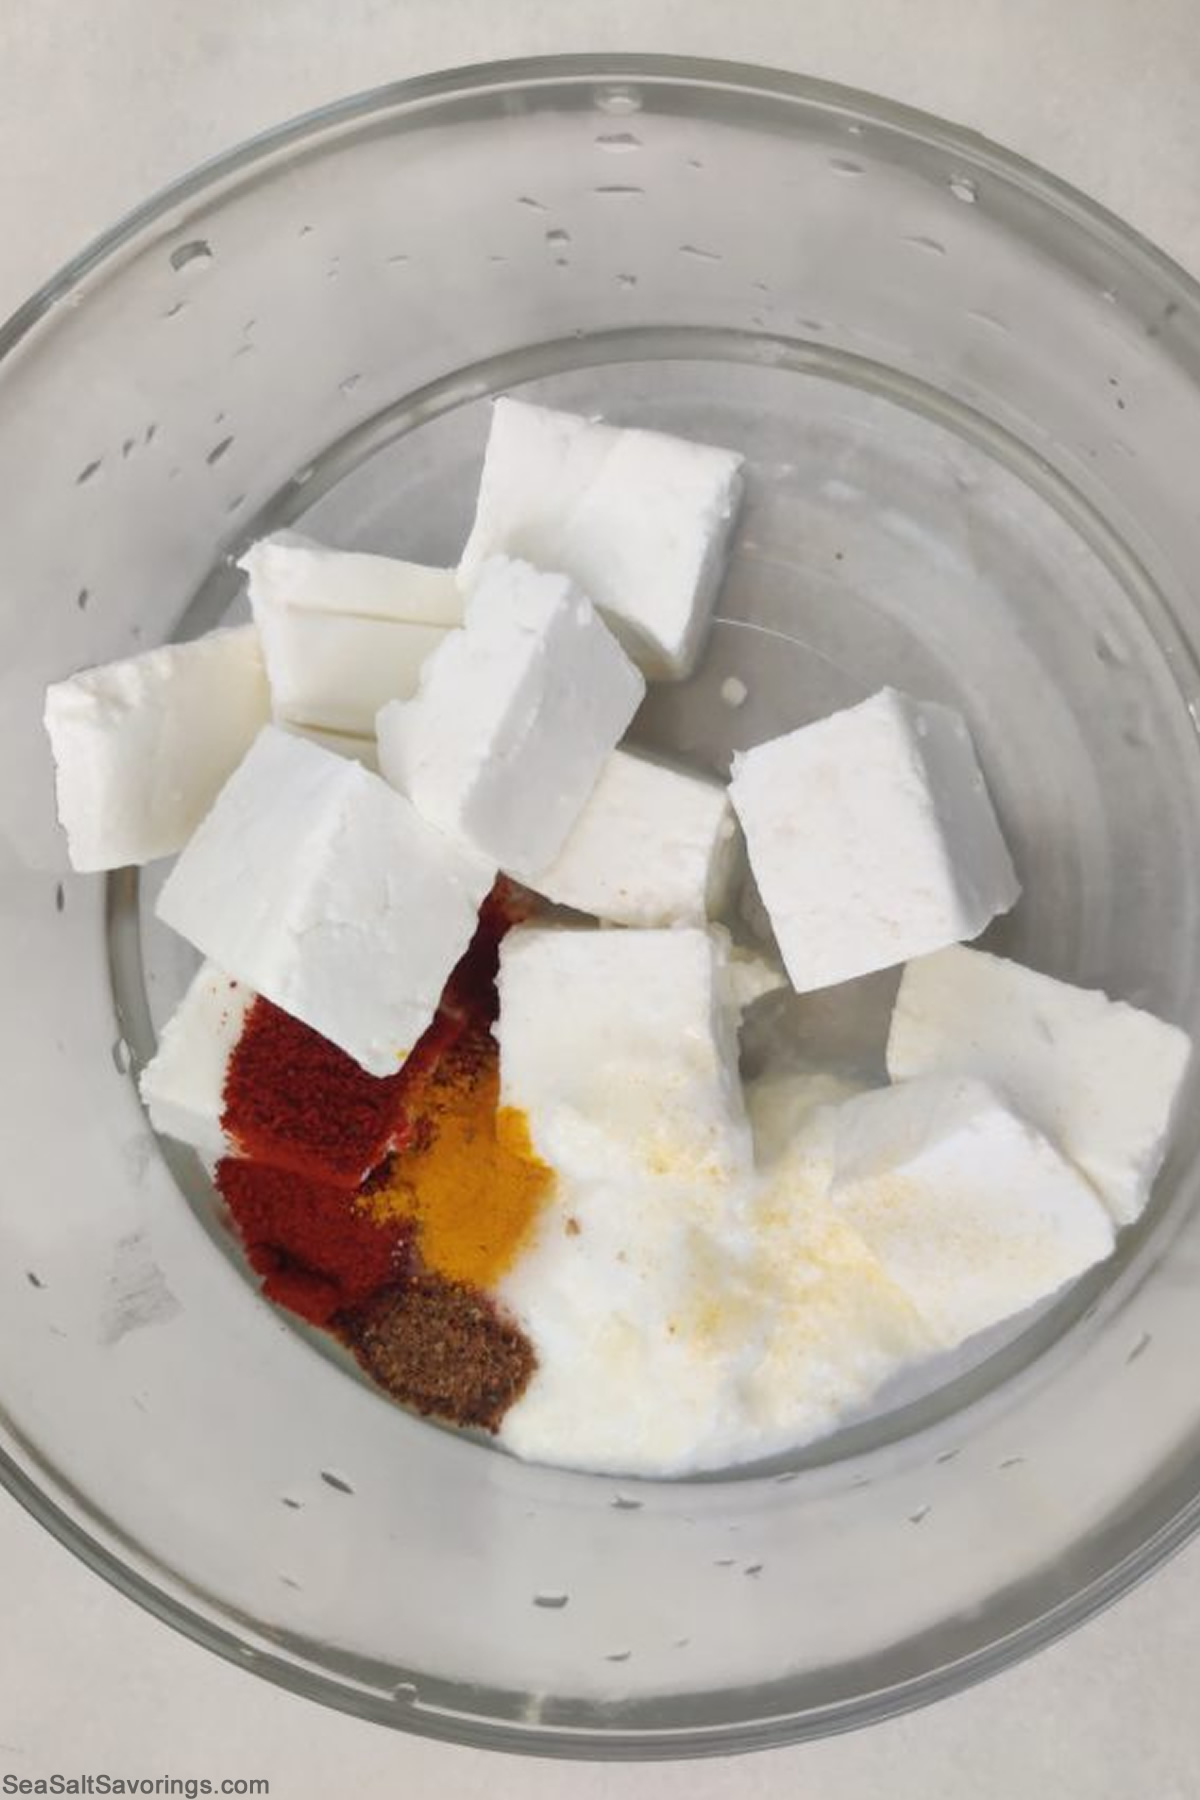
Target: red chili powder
pixel 295 1101
pixel 313 1127
pixel 317 1254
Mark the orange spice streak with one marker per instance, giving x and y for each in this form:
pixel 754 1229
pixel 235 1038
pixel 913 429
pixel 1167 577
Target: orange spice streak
pixel 470 1181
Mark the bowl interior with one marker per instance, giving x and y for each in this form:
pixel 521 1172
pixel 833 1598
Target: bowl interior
pixel 964 397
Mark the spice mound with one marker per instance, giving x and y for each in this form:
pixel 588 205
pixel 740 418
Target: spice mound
pixel 469 1182
pixel 316 1254
pixel 444 1348
pixel 382 1208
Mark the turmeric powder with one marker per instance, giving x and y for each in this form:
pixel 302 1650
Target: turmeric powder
pixel 470 1180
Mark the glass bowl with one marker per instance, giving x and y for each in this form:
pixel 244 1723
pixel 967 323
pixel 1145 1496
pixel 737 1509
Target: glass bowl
pixel 969 402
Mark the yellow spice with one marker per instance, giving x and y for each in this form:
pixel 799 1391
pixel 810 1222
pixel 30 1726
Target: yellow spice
pixel 473 1185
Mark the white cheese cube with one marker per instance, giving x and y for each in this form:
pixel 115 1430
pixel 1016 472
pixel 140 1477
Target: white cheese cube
pixel 142 747
pixel 318 885
pixel 621 1049
pixel 872 838
pixel 1100 1078
pixel 343 632
pixel 334 672
pixel 640 520
pixel 970 1211
pixel 514 720
pixel 653 846
pixel 293 571
pixel 183 1085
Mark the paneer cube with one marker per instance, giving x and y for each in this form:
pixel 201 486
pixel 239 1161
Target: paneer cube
pixel 143 747
pixel 640 520
pixel 515 718
pixel 872 838
pixel 318 885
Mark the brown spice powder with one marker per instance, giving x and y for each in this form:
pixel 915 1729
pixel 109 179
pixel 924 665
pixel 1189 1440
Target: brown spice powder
pixel 444 1348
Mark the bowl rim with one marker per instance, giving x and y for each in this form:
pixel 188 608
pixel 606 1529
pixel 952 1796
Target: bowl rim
pixel 65 1513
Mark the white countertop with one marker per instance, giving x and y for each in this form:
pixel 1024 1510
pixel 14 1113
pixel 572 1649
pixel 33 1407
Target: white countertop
pixel 99 104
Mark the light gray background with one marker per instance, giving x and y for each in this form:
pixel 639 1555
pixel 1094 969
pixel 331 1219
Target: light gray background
pixel 100 102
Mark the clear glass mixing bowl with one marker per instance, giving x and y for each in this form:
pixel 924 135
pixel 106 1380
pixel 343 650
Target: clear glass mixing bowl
pixel 969 403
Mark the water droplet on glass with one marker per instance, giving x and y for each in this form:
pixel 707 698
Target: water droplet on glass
pixel 964 189
pixel 82 598
pixel 699 253
pixel 619 99
pixel 625 1503
pixel 929 244
pixel 196 250
pixel 618 141
pixel 734 691
pixel 337 1482
pixel 558 236
pixel 627 281
pixel 89 469
pixel 173 312
pixel 842 165
pixel 616 190
pixel 528 200
pixel 121 1057
pixel 218 451
pixel 551 1602
pixel 348 385
pixel 60 897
